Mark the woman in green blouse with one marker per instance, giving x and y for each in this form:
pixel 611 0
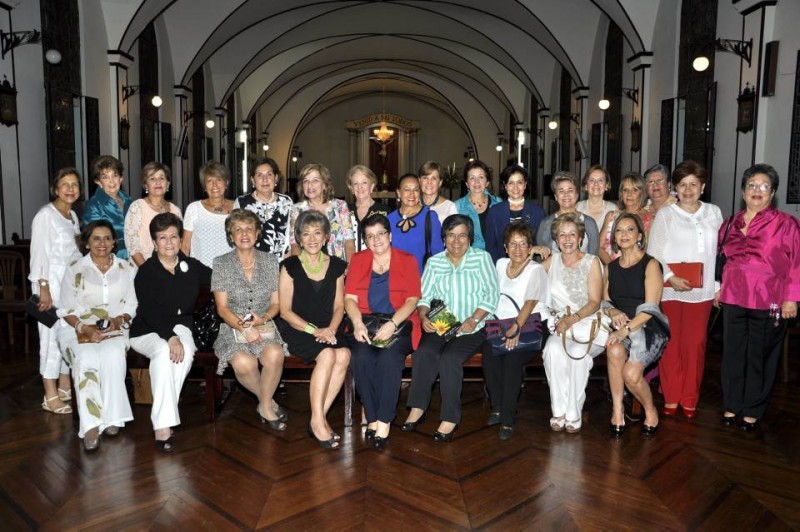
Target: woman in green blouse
pixel 464 279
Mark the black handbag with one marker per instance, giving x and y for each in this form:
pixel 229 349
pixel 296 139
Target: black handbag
pixel 205 327
pixel 373 322
pixel 530 334
pixel 719 266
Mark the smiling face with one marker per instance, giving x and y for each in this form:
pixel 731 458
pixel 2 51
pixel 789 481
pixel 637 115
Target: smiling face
pixel 477 180
pixel 313 186
pixel 568 238
pixel 167 243
pixel 378 239
pixel 689 190
pixel 361 186
pixel 456 240
pixel 518 248
pixel 626 234
pixel 657 188
pixel 100 243
pixel 215 186
pixel 430 183
pixel 631 195
pixel 157 184
pixel 313 238
pixel 409 193
pixel 110 181
pixel 758 193
pixel 68 189
pixel 264 180
pixel 596 184
pixel 244 235
pixel 515 186
pixel 566 195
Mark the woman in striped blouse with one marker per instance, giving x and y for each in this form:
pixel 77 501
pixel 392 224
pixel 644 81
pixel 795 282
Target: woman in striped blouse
pixel 464 279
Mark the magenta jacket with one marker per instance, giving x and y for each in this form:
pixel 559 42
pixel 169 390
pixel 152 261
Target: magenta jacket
pixel 763 267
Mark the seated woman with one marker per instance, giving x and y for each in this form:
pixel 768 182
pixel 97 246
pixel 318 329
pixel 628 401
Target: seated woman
pixel 415 228
pixel 523 283
pixel 464 278
pixel 245 287
pixel 167 287
pixel 204 235
pixel 311 295
pixel 633 286
pixel 385 281
pixel 565 189
pixel 576 281
pixel 98 299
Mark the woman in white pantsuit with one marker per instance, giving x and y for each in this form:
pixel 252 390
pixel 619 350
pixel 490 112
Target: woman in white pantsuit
pixel 167 287
pixel 98 301
pixel 576 281
pixel 53 247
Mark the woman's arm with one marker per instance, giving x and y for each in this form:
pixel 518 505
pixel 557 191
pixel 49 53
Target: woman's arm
pixel 488 296
pixel 186 243
pixel 353 312
pixel 595 292
pixel 601 248
pixel 133 222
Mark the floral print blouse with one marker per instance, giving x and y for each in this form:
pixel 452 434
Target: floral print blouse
pixel 341 226
pixel 91 295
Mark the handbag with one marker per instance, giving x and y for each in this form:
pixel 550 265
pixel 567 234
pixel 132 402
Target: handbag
pixel 591 330
pixel 265 330
pixel 373 322
pixel 691 271
pixel 142 389
pixel 530 334
pixel 205 326
pixel 719 265
pixel 48 318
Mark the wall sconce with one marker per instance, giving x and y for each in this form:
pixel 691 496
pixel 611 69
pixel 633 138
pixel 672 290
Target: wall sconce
pixel 603 104
pixel 636 136
pixel 743 49
pixel 746 103
pixel 264 144
pixel 469 155
pixel 499 146
pixel 124 133
pixel 553 124
pixel 130 90
pixel 631 94
pixel 8 103
pixel 575 117
pixel 296 154
pixel 188 115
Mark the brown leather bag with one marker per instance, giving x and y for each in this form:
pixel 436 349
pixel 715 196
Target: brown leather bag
pixel 142 390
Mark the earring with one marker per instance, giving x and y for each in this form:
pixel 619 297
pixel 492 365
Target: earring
pixel 146 191
pixel 640 243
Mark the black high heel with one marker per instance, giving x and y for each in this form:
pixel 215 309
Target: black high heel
pixel 728 421
pixel 409 426
pixel 325 444
pixel 617 430
pixel 649 430
pixel 748 426
pixel 274 424
pixel 379 443
pixel 442 437
pixel 369 434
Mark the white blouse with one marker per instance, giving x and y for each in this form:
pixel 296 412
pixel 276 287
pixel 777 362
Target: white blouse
pixel 209 239
pixel 53 246
pixel 530 284
pixel 678 236
pixel 91 295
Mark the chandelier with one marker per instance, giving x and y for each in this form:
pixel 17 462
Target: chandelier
pixel 383 133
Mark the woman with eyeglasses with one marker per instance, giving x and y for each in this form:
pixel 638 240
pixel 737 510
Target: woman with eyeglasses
pixel 382 285
pixel 759 293
pixel 478 200
pixel 596 182
pixel 272 208
pixel 109 201
pixel 659 188
pixel 464 279
pixel 686 232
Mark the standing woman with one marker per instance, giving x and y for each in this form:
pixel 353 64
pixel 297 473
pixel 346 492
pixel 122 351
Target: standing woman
pixel 53 248
pixel 596 182
pixel 98 286
pixel 109 202
pixel 430 181
pixel 156 178
pixel 686 232
pixel 385 281
pixel 464 278
pixel 272 208
pixel 633 287
pixel 361 181
pixel 245 287
pixel 415 229
pixel 204 235
pixel 565 190
pixel 659 188
pixel 311 295
pixel 478 200
pixel 167 286
pixel 516 209
pixel 522 284
pixel 760 291
pixel 632 200
pixel 316 193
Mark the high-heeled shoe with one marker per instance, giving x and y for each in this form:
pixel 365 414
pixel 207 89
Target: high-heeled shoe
pixel 379 443
pixel 409 426
pixel 649 430
pixel 325 444
pixel 670 410
pixel 165 446
pixel 274 424
pixel 280 412
pixel 91 440
pixel 442 437
pixel 111 430
pixel 728 421
pixel 494 419
pixel 617 430
pixel 369 434
pixel 748 426
pixel 557 424
pixel 506 431
pixel 65 395
pixel 690 413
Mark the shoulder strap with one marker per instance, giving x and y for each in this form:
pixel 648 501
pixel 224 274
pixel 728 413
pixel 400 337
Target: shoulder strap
pixel 725 236
pixel 428 233
pixel 512 302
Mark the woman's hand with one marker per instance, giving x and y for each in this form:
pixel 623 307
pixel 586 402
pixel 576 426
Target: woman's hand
pixel 789 310
pixel 542 251
pixel 512 336
pixel 679 284
pixel 250 333
pixel 175 350
pixel 325 335
pixel 566 323
pixel 616 337
pixel 360 332
pixel 468 326
pixel 45 300
pixel 386 331
pixel 426 324
pixel 716 299
pixel 619 320
pixel 92 332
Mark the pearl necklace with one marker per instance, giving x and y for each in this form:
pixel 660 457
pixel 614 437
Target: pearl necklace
pixel 510 271
pixel 160 208
pixel 516 202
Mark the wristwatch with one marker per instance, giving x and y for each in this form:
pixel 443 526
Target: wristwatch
pixel 43 282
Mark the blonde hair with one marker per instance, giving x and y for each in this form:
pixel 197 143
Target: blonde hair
pixel 324 174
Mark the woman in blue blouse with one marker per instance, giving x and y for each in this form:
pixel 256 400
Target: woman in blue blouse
pixel 109 202
pixel 477 202
pixel 415 228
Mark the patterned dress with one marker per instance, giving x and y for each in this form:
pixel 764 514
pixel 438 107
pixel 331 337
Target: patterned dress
pixel 274 216
pixel 243 295
pixel 341 226
pixel 137 227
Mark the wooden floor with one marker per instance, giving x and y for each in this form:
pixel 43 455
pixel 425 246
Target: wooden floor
pixel 235 474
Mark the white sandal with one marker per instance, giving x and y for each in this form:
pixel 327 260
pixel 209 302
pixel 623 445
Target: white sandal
pixel 65 395
pixel 574 426
pixel 66 409
pixel 557 423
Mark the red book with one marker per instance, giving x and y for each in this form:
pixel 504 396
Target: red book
pixel 691 271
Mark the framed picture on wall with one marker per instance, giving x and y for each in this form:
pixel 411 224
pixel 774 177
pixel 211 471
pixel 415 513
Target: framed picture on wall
pixel 747 104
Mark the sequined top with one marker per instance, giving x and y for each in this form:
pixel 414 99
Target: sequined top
pixel 569 286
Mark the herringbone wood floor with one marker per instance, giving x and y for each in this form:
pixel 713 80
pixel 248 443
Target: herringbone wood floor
pixel 234 474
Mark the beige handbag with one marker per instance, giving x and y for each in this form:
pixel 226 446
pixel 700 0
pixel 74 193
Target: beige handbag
pixel 142 389
pixel 586 332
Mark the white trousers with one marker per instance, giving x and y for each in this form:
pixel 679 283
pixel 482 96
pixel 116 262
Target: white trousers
pixel 166 377
pixel 51 363
pixel 98 373
pixel 567 377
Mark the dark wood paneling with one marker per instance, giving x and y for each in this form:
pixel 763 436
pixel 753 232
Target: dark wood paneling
pixel 565 125
pixel 613 93
pixel 793 179
pixel 148 81
pixel 666 134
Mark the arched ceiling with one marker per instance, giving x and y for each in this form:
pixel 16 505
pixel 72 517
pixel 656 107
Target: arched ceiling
pixel 495 56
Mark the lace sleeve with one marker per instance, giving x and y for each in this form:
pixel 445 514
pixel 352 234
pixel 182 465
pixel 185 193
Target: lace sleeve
pixel 133 223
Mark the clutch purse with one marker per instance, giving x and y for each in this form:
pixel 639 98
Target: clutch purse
pixel 691 271
pixel 48 318
pixel 266 330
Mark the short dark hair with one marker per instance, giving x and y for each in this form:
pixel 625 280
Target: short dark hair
pixel 311 217
pixel 88 229
pixel 164 221
pixel 268 161
pixel 639 227
pixel 105 162
pixel 405 176
pixel 62 173
pixel 241 215
pixel 510 170
pixel 519 228
pixel 478 164
pixel 372 220
pixel 762 168
pixel 687 168
pixel 458 219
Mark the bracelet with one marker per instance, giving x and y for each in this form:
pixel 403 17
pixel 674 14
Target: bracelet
pixel 79 327
pixel 576 314
pixel 628 328
pixel 310 328
pixel 391 320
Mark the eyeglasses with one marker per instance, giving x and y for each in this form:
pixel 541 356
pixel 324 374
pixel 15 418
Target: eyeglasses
pixel 379 234
pixel 762 187
pixel 456 236
pixel 657 181
pixel 518 245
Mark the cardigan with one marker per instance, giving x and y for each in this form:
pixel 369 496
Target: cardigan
pixel 404 282
pixel 101 206
pixel 498 219
pixel 465 207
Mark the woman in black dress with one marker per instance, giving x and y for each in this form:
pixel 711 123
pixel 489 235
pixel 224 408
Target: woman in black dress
pixel 311 294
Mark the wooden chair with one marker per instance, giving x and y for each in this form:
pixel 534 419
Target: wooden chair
pixel 16 290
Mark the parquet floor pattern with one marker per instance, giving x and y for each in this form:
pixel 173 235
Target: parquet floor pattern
pixel 236 474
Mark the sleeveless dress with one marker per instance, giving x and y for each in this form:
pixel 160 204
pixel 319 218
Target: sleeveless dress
pixel 312 301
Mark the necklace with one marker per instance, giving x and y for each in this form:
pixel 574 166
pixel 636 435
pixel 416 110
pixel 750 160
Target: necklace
pixel 62 213
pixel 165 265
pixel 160 207
pixel 252 264
pixel 103 267
pixel 514 274
pixel 479 205
pixel 258 198
pixel 381 267
pixel 218 209
pixel 516 202
pixel 305 260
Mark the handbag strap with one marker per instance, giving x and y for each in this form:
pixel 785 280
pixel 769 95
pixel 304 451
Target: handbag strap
pixel 595 329
pixel 427 234
pixel 725 236
pixel 512 302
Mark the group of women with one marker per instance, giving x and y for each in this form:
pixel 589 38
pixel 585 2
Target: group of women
pixel 277 273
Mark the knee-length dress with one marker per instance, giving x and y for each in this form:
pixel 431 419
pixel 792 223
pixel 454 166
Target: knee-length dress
pixel 312 301
pixel 243 296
